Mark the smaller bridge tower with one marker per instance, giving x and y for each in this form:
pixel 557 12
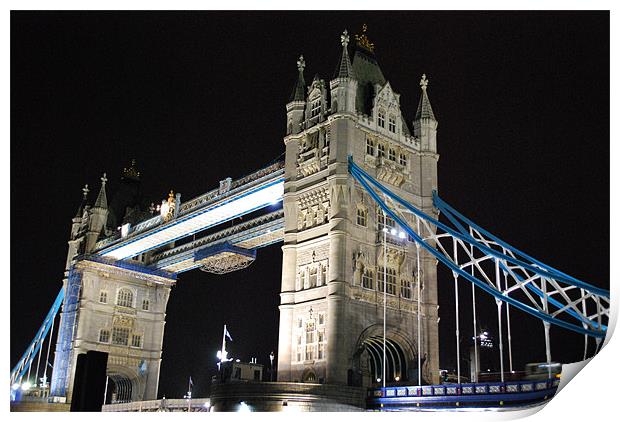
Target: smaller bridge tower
pixel 118 307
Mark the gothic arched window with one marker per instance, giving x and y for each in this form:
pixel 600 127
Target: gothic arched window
pixel 392 154
pixel 381 118
pixel 125 298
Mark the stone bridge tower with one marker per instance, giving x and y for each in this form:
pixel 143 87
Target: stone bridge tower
pixel 113 307
pixel 331 312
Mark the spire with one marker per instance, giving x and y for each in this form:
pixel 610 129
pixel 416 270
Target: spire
pixel 102 200
pixel 425 111
pixel 344 70
pixel 299 92
pixel 85 191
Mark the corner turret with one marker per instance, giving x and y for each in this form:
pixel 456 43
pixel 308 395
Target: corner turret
pixel 344 85
pixel 98 217
pixel 297 102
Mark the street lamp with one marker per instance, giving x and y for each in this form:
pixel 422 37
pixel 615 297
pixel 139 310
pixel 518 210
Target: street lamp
pixel 271 356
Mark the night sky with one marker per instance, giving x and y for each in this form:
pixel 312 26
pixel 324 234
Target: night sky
pixel 522 101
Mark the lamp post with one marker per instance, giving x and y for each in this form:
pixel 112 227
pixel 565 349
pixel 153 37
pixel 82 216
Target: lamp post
pixel 271 356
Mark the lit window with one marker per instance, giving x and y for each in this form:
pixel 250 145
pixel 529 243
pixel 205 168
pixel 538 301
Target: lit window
pixel 367 278
pixel 390 279
pixel 370 147
pixel 402 159
pixel 104 336
pixel 103 296
pixel 315 107
pixel 361 217
pixel 312 277
pixel 380 150
pixel 392 155
pixel 120 336
pixel 309 352
pixel 405 289
pixel 381 119
pixel 392 124
pixel 124 298
pixel 382 223
pixel 136 340
pixel 145 305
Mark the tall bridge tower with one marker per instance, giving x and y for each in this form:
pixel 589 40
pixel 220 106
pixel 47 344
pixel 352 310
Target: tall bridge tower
pixel 336 254
pixel 117 307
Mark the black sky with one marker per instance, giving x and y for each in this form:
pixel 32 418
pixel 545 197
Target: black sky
pixel 522 101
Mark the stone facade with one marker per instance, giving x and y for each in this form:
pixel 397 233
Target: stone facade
pixel 331 311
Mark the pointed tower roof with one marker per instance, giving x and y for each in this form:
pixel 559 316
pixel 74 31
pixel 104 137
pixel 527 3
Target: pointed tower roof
pixel 299 91
pixel 425 111
pixel 102 199
pixel 345 69
pixel 80 210
pixel 367 72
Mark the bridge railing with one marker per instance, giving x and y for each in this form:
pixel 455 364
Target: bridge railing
pixel 468 389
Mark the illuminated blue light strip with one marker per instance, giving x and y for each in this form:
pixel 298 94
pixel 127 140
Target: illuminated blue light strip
pixel 248 202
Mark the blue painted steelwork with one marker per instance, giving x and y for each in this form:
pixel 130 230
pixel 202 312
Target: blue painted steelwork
pixel 129 265
pixel 26 360
pixel 491 394
pixel 461 234
pixel 64 352
pixel 221 248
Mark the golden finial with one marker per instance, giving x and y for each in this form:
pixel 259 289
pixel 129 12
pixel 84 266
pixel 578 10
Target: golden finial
pixel 363 41
pixel 171 196
pixel 131 172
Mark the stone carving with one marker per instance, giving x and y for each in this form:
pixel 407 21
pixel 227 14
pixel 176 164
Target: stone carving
pixel 313 209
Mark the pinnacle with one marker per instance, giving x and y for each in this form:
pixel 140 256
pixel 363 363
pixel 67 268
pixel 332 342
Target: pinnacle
pixel 425 111
pixel 299 93
pixel 102 200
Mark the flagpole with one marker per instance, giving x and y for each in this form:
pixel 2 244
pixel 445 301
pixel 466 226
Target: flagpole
pixel 223 343
pixel 189 394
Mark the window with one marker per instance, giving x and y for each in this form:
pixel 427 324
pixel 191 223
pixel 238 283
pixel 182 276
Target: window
pixel 103 296
pixel 392 124
pixel 370 147
pixel 402 159
pixel 312 277
pixel 367 278
pixel 136 340
pixel 256 375
pixel 321 353
pixel 321 319
pixel 309 337
pixel 145 305
pixel 405 289
pixel 299 340
pixel 391 280
pixel 299 323
pixel 302 280
pixel 299 354
pixel 315 107
pixel 120 336
pixel 309 352
pixel 321 337
pixel 381 119
pixel 361 217
pixel 323 274
pixel 382 221
pixel 124 298
pixel 392 155
pixel 380 150
pixel 104 336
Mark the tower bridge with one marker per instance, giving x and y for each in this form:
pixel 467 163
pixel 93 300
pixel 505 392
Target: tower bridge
pixel 355 204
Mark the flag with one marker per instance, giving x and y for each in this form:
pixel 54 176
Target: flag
pixel 227 334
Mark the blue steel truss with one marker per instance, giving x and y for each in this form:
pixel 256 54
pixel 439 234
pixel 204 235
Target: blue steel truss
pixel 529 285
pixel 24 363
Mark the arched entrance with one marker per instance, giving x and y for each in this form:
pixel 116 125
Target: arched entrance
pixel 367 361
pixel 119 389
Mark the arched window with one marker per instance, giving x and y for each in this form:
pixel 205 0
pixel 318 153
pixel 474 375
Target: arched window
pixel 145 304
pixel 380 150
pixel 402 158
pixel 370 147
pixel 392 124
pixel 313 276
pixel 381 118
pixel 315 107
pixel 390 278
pixel 361 217
pixel 125 298
pixel 103 296
pixel 367 279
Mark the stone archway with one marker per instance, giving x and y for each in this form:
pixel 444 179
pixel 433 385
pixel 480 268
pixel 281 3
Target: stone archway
pixel 368 358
